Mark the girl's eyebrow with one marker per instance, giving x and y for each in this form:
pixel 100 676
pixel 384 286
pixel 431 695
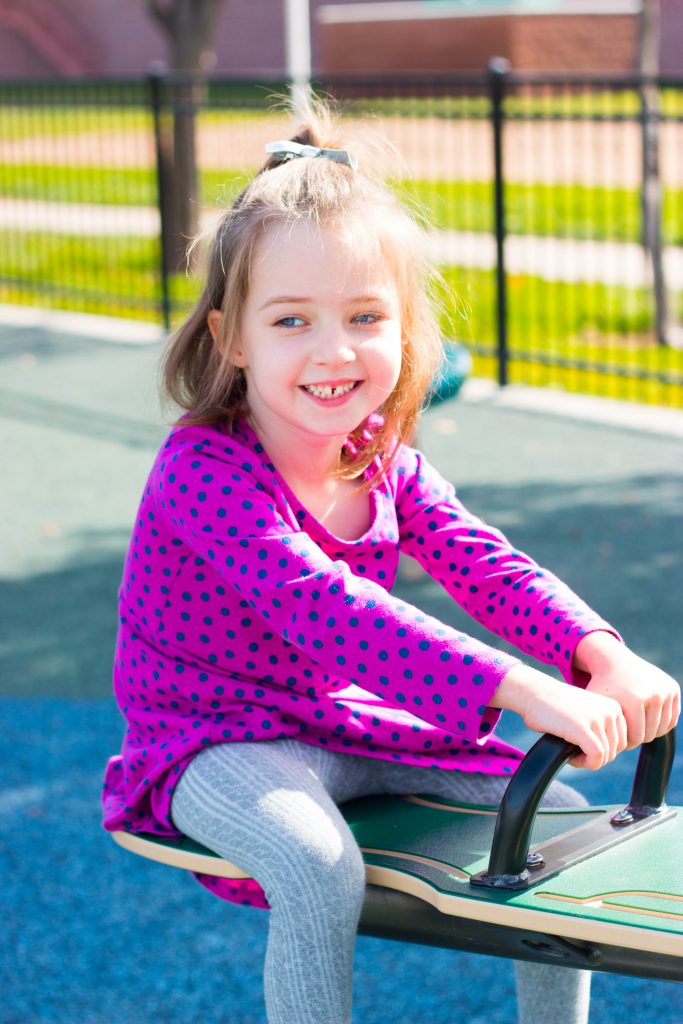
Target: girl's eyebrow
pixel 278 300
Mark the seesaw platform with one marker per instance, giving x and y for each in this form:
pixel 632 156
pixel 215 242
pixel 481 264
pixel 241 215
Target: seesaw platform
pixel 599 888
pixel 620 909
pixel 629 894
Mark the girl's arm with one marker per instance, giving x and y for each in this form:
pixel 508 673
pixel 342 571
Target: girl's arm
pixel 627 701
pixel 619 699
pixel 499 586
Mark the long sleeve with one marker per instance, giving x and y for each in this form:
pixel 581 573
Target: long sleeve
pixel 504 589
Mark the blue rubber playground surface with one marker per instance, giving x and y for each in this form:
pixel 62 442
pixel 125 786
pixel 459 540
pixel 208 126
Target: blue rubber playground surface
pixel 94 935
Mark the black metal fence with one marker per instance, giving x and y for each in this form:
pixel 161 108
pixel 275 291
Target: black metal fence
pixel 560 273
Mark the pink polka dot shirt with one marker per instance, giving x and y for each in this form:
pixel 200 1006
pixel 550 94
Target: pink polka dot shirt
pixel 243 619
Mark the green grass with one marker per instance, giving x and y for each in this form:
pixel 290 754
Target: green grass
pixel 600 383
pixel 47 121
pixel 108 186
pixel 564 211
pixel 129 186
pixel 577 102
pixel 543 313
pixel 536 102
pixel 531 101
pixel 19 121
pixel 117 275
pixel 587 324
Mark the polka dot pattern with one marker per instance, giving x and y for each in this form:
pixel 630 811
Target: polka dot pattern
pixel 242 618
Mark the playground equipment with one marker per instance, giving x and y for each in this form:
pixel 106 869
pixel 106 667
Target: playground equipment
pixel 599 888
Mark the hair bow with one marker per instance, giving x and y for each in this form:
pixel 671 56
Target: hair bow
pixel 289 150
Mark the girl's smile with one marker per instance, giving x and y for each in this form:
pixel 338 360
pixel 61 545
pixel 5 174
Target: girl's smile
pixel 331 392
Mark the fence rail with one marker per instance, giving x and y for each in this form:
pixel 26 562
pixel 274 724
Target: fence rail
pixel 555 204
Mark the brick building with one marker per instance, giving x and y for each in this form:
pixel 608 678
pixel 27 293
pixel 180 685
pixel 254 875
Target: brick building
pixel 534 35
pixel 73 38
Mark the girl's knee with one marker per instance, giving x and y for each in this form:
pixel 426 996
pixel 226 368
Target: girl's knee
pixel 327 878
pixel 312 835
pixel 344 873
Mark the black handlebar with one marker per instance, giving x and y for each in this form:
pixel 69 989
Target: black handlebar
pixel 517 812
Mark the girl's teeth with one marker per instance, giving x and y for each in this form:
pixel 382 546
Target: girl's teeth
pixel 328 391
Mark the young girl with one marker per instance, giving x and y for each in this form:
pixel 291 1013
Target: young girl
pixel 265 670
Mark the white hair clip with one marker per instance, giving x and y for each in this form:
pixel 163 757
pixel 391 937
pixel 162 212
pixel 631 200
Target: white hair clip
pixel 289 150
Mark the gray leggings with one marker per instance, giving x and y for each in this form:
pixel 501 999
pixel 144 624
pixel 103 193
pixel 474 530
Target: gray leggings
pixel 273 809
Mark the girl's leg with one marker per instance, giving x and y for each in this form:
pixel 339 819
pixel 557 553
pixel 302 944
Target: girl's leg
pixel 266 807
pixel 552 995
pixel 546 994
pixel 272 809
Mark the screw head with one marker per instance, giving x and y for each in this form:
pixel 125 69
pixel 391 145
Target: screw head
pixel 622 817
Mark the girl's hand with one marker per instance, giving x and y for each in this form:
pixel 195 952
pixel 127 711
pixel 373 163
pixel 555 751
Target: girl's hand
pixel 649 698
pixel 592 721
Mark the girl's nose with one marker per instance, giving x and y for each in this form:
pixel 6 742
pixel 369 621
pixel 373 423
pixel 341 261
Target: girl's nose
pixel 332 348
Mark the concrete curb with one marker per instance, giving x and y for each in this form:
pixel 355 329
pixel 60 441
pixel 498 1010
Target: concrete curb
pixel 653 419
pixel 83 325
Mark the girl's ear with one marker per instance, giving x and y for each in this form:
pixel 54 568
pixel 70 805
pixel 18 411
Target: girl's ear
pixel 214 320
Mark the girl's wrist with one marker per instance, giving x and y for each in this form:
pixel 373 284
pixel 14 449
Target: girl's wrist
pixel 520 688
pixel 595 650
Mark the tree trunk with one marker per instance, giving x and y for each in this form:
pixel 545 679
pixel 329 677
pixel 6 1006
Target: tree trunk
pixel 184 190
pixel 190 26
pixel 648 64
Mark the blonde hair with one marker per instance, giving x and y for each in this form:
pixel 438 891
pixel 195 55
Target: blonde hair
pixel 198 373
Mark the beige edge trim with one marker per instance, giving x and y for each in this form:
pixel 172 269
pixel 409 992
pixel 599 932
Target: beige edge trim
pixel 493 811
pixel 568 927
pixel 604 901
pixel 416 858
pixel 177 858
pixel 451 808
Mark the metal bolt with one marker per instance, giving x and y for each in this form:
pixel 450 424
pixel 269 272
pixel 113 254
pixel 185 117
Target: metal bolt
pixel 622 817
pixel 535 861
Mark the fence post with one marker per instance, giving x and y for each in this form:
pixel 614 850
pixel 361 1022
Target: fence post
pixel 156 76
pixel 498 70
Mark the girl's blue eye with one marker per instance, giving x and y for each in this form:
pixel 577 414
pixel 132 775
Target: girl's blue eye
pixel 290 321
pixel 366 318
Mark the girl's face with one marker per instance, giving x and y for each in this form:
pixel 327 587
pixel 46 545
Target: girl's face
pixel 320 335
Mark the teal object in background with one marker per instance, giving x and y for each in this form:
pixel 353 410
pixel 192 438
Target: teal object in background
pixel 454 371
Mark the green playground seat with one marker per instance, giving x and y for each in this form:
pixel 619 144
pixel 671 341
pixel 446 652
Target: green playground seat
pixel 599 888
